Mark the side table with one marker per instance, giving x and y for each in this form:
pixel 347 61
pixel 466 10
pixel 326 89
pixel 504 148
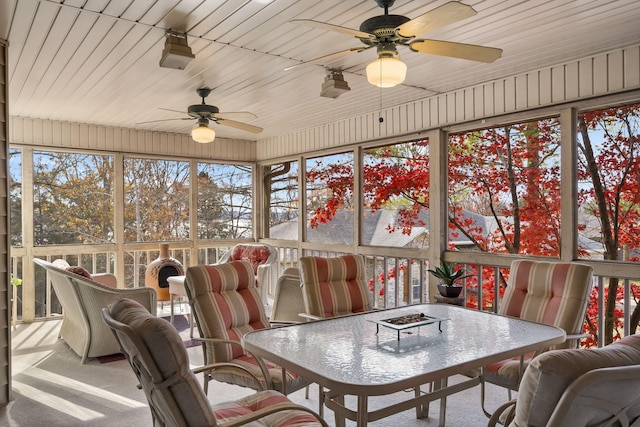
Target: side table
pixel 177 289
pixel 453 301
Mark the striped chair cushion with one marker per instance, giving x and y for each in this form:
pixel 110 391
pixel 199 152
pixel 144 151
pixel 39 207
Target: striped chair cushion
pixel 227 305
pixel 549 375
pixel 163 369
pixel 334 286
pixel 554 293
pixel 227 411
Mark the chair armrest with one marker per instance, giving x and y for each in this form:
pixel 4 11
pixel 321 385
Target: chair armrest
pixel 261 364
pixel 309 316
pixel 213 366
pixel 260 413
pixel 504 414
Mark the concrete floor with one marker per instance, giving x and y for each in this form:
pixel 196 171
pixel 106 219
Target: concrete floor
pixel 52 388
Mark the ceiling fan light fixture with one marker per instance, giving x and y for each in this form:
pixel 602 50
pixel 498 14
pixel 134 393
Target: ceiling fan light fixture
pixel 202 133
pixel 386 71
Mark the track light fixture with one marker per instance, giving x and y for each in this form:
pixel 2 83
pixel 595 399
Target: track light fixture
pixel 177 53
pixel 334 84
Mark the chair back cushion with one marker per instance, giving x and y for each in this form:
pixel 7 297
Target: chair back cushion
pixel 227 305
pixel 161 362
pixel 255 254
pixel 334 286
pixel 551 373
pixel 554 293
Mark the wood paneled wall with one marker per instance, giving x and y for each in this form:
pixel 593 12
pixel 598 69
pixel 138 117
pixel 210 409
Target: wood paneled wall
pixel 608 73
pixel 5 306
pixel 52 134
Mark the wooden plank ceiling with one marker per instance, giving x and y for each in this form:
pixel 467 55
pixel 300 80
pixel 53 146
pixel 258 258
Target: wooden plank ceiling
pixel 96 61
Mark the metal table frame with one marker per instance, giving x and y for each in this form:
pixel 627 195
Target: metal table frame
pixel 346 357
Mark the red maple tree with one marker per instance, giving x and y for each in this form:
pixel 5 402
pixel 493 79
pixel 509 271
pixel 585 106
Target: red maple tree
pixel 504 194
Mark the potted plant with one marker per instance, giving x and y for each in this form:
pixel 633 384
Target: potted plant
pixel 448 278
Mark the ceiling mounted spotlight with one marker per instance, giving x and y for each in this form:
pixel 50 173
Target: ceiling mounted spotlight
pixel 177 53
pixel 334 84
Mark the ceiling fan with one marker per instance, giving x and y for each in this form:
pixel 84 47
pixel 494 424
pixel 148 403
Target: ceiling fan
pixel 204 113
pixel 386 32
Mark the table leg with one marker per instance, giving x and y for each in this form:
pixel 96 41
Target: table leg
pixel 363 412
pixel 443 402
pixel 340 419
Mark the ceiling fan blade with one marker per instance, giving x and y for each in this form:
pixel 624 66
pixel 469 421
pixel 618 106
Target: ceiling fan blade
pixel 436 18
pixel 336 28
pixel 163 120
pixel 239 125
pixel 457 50
pixel 329 58
pixel 236 114
pixel 173 111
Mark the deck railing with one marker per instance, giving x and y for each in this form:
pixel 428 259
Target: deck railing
pixel 396 276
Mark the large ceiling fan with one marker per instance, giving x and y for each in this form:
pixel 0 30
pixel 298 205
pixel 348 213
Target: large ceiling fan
pixel 386 32
pixel 204 114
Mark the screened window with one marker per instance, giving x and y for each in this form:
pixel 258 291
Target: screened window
pixel 284 200
pixel 330 203
pixel 15 195
pixel 504 189
pixel 396 195
pixel 156 205
pixel 73 198
pixel 225 201
pixel 609 183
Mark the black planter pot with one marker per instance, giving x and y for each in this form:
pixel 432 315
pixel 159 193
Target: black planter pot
pixel 450 291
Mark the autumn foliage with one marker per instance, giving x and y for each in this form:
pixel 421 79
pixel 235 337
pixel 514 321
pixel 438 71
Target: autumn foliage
pixel 505 193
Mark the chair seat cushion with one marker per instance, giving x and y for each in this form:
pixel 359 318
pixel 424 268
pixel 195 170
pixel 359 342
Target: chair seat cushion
pixel 506 373
pixel 555 370
pixel 236 376
pixel 228 411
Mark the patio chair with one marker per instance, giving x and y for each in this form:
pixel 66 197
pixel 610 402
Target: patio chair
pixel 288 302
pixel 334 286
pixel 160 361
pixel 82 297
pixel 554 293
pixel 226 305
pixel 578 387
pixel 261 256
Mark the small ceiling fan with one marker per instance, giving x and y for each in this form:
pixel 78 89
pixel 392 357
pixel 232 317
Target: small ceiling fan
pixel 204 113
pixel 386 32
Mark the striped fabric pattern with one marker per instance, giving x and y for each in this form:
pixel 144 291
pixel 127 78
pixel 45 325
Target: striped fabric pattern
pixel 334 286
pixel 227 411
pixel 554 293
pixel 227 305
pixel 161 363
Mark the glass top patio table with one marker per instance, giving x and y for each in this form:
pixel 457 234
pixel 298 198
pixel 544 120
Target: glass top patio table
pixel 346 356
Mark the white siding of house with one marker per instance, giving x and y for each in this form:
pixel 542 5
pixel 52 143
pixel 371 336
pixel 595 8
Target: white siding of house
pixel 607 73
